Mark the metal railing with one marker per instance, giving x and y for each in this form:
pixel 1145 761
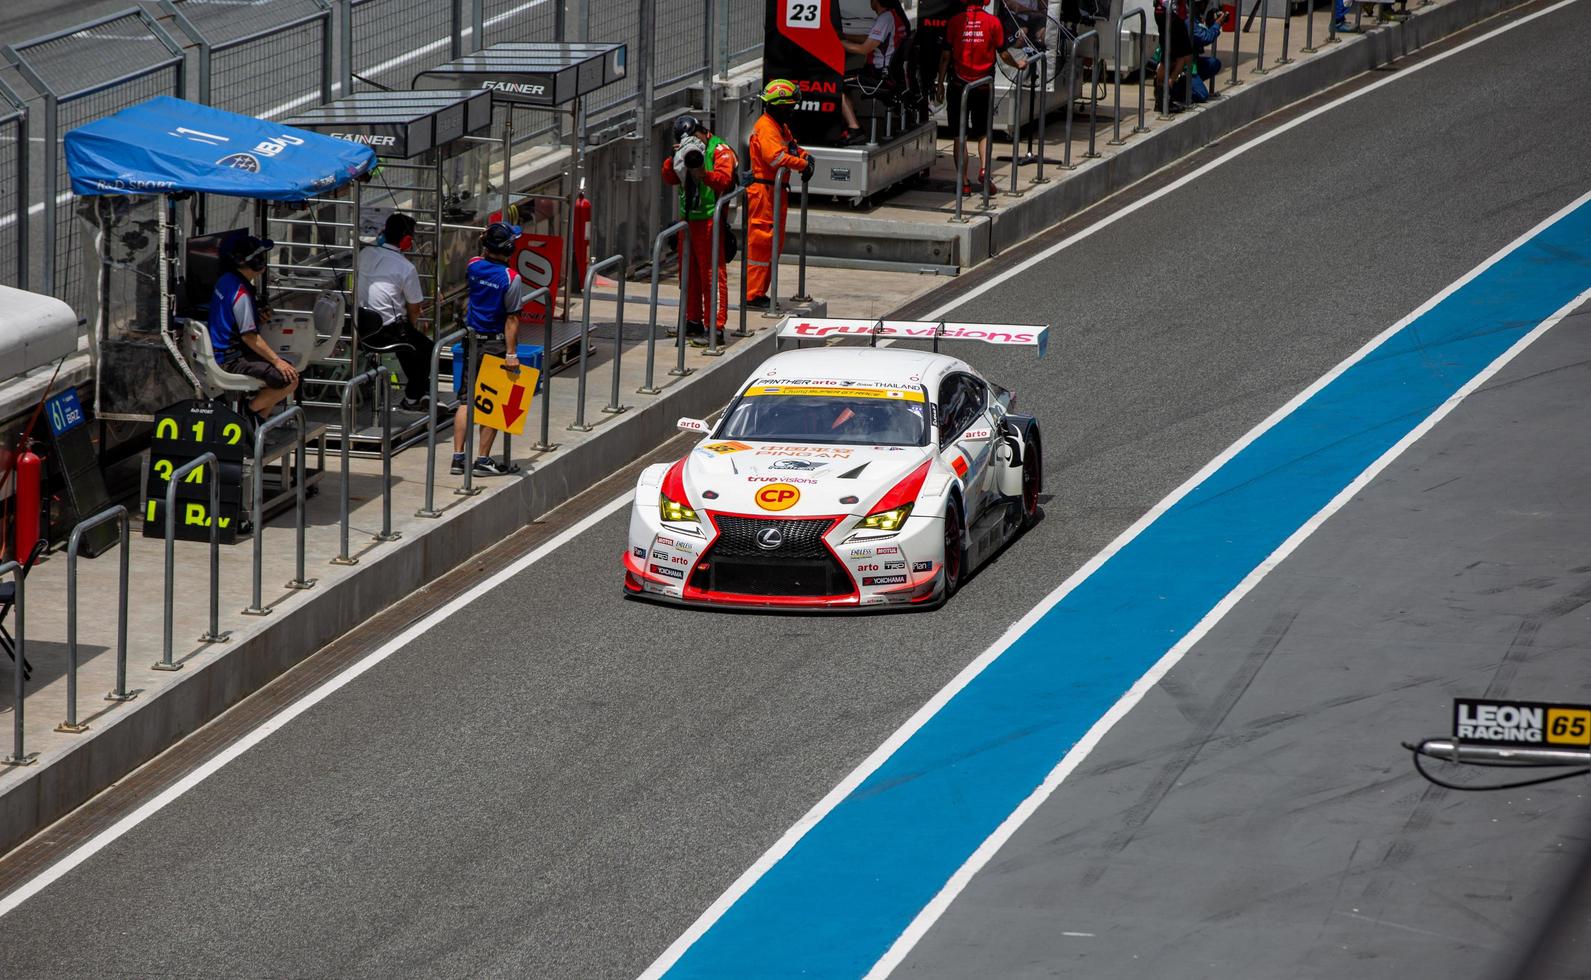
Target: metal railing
pixel 801 267
pixel 1143 58
pixel 1015 127
pixel 623 264
pixel 384 42
pixel 1044 115
pixel 961 144
pixel 442 343
pixel 213 519
pixel 683 230
pixel 345 409
pixel 722 204
pixel 19 755
pixel 118 513
pixel 257 512
pixel 781 193
pixel 1093 95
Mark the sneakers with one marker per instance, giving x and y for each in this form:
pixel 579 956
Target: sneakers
pixel 695 328
pixel 852 137
pixel 758 303
pixel 703 340
pixel 1343 27
pixel 457 469
pixel 489 466
pixel 415 404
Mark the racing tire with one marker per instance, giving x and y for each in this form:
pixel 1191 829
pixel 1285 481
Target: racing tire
pixel 955 560
pixel 1032 475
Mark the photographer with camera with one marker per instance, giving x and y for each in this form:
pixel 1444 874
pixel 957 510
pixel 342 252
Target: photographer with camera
pixel 703 167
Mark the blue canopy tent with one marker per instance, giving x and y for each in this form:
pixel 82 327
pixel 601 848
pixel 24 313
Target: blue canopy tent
pixel 171 148
pixel 169 145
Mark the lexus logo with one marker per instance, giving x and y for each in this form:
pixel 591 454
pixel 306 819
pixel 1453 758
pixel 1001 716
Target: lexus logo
pixel 770 538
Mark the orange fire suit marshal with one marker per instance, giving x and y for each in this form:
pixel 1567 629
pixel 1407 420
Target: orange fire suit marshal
pixel 703 168
pixel 772 148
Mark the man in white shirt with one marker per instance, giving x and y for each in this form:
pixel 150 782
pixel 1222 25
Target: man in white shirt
pixel 389 289
pixel 889 31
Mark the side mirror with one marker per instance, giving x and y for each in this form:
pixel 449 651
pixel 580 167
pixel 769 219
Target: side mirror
pixel 693 425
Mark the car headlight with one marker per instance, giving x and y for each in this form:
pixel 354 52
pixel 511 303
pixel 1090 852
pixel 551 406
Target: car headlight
pixel 673 510
pixel 885 520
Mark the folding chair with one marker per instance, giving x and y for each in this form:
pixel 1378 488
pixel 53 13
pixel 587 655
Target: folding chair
pixel 8 598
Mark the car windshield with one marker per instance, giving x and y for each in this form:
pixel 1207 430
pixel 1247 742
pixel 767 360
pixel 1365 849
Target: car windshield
pixel 851 415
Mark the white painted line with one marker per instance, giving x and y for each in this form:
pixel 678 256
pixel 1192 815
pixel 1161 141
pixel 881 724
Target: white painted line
pixel 846 786
pixel 308 701
pixel 986 851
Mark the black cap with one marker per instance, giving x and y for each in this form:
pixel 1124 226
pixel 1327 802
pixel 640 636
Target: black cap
pixel 499 237
pixel 240 249
pixel 687 126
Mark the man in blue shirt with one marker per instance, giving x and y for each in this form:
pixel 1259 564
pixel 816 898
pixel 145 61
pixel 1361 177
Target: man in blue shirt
pixel 496 293
pixel 235 319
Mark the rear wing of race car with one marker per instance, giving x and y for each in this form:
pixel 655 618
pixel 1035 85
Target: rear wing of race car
pixel 814 328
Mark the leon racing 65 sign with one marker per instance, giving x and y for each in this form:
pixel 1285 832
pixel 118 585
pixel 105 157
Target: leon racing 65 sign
pixel 1522 723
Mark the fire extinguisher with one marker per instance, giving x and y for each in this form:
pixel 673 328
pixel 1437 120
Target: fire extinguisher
pixel 582 244
pixel 30 472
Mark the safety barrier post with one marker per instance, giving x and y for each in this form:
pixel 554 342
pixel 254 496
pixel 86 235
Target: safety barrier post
pixel 1237 41
pixel 429 510
pixel 172 483
pixel 961 141
pixel 1071 73
pixel 745 257
pixel 1309 30
pixel 1143 31
pixel 467 396
pixel 545 381
pixel 257 512
pixel 1093 92
pixel 387 533
pixel 1287 31
pixel 18 757
pixel 1016 124
pixel 1043 114
pixel 682 229
pixel 717 250
pixel 346 415
pixel 781 190
pixel 613 407
pixel 801 268
pixel 1259 57
pixel 585 333
pixel 117 513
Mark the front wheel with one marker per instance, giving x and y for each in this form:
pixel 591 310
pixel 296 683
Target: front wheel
pixel 955 557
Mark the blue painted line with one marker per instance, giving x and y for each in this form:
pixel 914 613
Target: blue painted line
pixel 835 903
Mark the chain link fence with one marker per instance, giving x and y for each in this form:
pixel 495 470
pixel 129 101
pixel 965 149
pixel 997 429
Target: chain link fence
pixel 273 58
pixel 13 184
pixel 85 74
pixel 383 39
pixel 269 58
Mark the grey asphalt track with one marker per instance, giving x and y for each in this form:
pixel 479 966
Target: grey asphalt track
pixel 557 782
pixel 1255 815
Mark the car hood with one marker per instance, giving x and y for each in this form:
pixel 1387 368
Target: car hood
pixel 793 480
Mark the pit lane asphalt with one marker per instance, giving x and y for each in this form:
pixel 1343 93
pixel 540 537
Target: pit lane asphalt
pixel 555 783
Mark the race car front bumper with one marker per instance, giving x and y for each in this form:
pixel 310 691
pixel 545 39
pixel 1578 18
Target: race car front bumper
pixel 722 566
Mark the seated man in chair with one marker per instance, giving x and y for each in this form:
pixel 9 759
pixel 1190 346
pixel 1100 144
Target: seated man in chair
pixel 235 319
pixel 389 289
pixel 889 31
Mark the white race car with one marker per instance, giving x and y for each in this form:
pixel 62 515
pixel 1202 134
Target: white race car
pixel 842 477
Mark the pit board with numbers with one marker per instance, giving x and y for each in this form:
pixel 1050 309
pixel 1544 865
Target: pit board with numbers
pixel 185 431
pixel 1522 724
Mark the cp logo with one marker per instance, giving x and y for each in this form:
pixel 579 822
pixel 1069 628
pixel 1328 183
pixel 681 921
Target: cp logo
pixel 777 496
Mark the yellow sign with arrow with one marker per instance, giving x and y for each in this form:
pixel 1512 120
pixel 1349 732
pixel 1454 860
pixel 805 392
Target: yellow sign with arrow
pixel 502 397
